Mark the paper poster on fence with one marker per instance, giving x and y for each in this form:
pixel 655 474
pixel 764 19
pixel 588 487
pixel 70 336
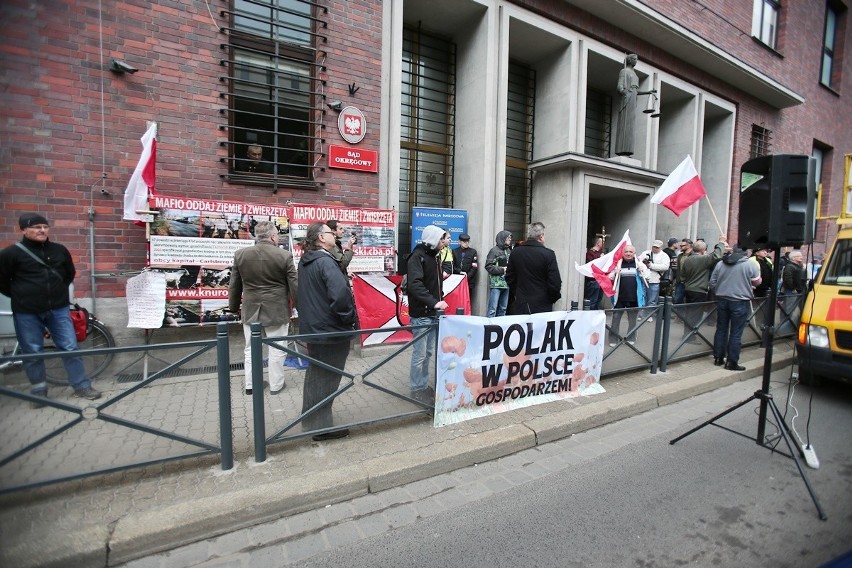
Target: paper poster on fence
pixel 491 365
pixel 146 300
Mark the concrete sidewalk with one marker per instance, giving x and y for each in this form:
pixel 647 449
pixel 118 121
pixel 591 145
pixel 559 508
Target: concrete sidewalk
pixel 115 518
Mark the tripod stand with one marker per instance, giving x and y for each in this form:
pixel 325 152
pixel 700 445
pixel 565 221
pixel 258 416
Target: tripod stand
pixel 766 401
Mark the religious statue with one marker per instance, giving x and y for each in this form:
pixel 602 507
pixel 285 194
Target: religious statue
pixel 628 88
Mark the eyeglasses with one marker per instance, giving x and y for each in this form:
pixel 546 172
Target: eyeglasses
pixel 327 233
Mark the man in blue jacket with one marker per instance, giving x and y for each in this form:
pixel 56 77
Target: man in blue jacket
pixel 325 306
pixel 425 297
pixel 36 273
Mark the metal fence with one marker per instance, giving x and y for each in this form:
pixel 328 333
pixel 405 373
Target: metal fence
pixel 164 418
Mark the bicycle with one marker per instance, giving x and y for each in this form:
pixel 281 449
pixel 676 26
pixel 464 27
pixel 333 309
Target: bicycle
pixel 97 336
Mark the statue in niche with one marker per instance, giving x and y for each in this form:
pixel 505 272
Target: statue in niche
pixel 628 88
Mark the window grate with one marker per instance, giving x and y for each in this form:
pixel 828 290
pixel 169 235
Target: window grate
pixel 274 113
pixel 520 121
pixel 598 123
pixel 428 126
pixel 761 141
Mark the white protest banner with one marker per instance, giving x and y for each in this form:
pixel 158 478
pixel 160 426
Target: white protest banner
pixel 491 365
pixel 146 300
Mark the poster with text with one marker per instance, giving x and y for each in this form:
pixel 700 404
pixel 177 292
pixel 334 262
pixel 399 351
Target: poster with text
pixel 375 245
pixel 491 365
pixel 192 244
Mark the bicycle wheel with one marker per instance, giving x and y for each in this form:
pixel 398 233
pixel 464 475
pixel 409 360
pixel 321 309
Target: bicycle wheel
pixel 98 338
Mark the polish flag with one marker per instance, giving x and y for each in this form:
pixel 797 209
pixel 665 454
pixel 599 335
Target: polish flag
pixel 601 267
pixel 143 179
pixel 681 189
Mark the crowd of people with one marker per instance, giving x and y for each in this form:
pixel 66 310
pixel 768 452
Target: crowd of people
pixel 266 287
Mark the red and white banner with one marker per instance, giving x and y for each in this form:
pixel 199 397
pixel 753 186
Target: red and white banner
pixel 490 365
pixel 681 189
pixel 143 179
pixel 381 305
pixel 600 268
pixel 374 230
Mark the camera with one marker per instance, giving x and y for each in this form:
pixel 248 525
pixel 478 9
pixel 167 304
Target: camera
pixel 354 239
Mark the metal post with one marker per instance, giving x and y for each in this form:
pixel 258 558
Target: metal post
pixel 574 305
pixel 658 327
pixel 587 305
pixel 667 324
pixel 256 343
pixel 223 364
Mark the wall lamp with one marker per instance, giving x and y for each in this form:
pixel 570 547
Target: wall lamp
pixel 120 67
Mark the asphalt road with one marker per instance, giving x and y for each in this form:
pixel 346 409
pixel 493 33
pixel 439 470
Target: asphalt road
pixel 712 499
pixel 619 495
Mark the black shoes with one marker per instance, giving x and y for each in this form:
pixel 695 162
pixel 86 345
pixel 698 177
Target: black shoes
pixel 718 361
pixel 88 393
pixel 248 391
pixel 333 435
pixel 734 366
pixel 37 404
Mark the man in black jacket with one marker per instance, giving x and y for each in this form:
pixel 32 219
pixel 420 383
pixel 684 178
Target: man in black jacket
pixel 533 275
pixel 466 261
pixel 325 306
pixel 36 274
pixel 425 297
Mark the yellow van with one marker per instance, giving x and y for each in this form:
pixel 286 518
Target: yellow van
pixel 824 340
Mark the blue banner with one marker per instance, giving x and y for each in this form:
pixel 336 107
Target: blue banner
pixel 454 221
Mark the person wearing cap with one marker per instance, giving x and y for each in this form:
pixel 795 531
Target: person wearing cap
pixel 425 298
pixel 35 273
pixel 668 279
pixel 658 264
pixel 591 289
pixel 466 261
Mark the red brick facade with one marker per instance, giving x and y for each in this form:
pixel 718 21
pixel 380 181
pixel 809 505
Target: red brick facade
pixel 58 144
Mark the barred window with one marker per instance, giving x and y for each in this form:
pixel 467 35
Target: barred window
pixel 598 123
pixel 761 141
pixel 519 144
pixel 427 136
pixel 274 113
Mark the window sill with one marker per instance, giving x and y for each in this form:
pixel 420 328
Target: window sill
pixel 767 47
pixel 829 89
pixel 269 180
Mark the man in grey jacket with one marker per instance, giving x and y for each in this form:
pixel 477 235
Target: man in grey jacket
pixel 733 280
pixel 264 280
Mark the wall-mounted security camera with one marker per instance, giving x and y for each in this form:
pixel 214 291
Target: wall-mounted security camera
pixel 121 67
pixel 336 106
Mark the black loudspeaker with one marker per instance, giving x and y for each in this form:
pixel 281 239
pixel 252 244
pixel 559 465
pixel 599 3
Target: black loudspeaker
pixel 777 195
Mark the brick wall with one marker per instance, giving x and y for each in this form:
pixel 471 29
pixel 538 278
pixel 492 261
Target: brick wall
pixel 60 147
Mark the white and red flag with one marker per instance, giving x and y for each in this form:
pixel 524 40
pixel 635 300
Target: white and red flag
pixel 681 189
pixel 143 179
pixel 602 266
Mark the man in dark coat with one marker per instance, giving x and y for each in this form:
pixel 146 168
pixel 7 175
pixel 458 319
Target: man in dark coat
pixel 466 261
pixel 533 275
pixel 326 305
pixel 36 273
pixel 263 285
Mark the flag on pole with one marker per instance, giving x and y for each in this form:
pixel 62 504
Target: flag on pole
pixel 143 179
pixel 602 266
pixel 681 189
